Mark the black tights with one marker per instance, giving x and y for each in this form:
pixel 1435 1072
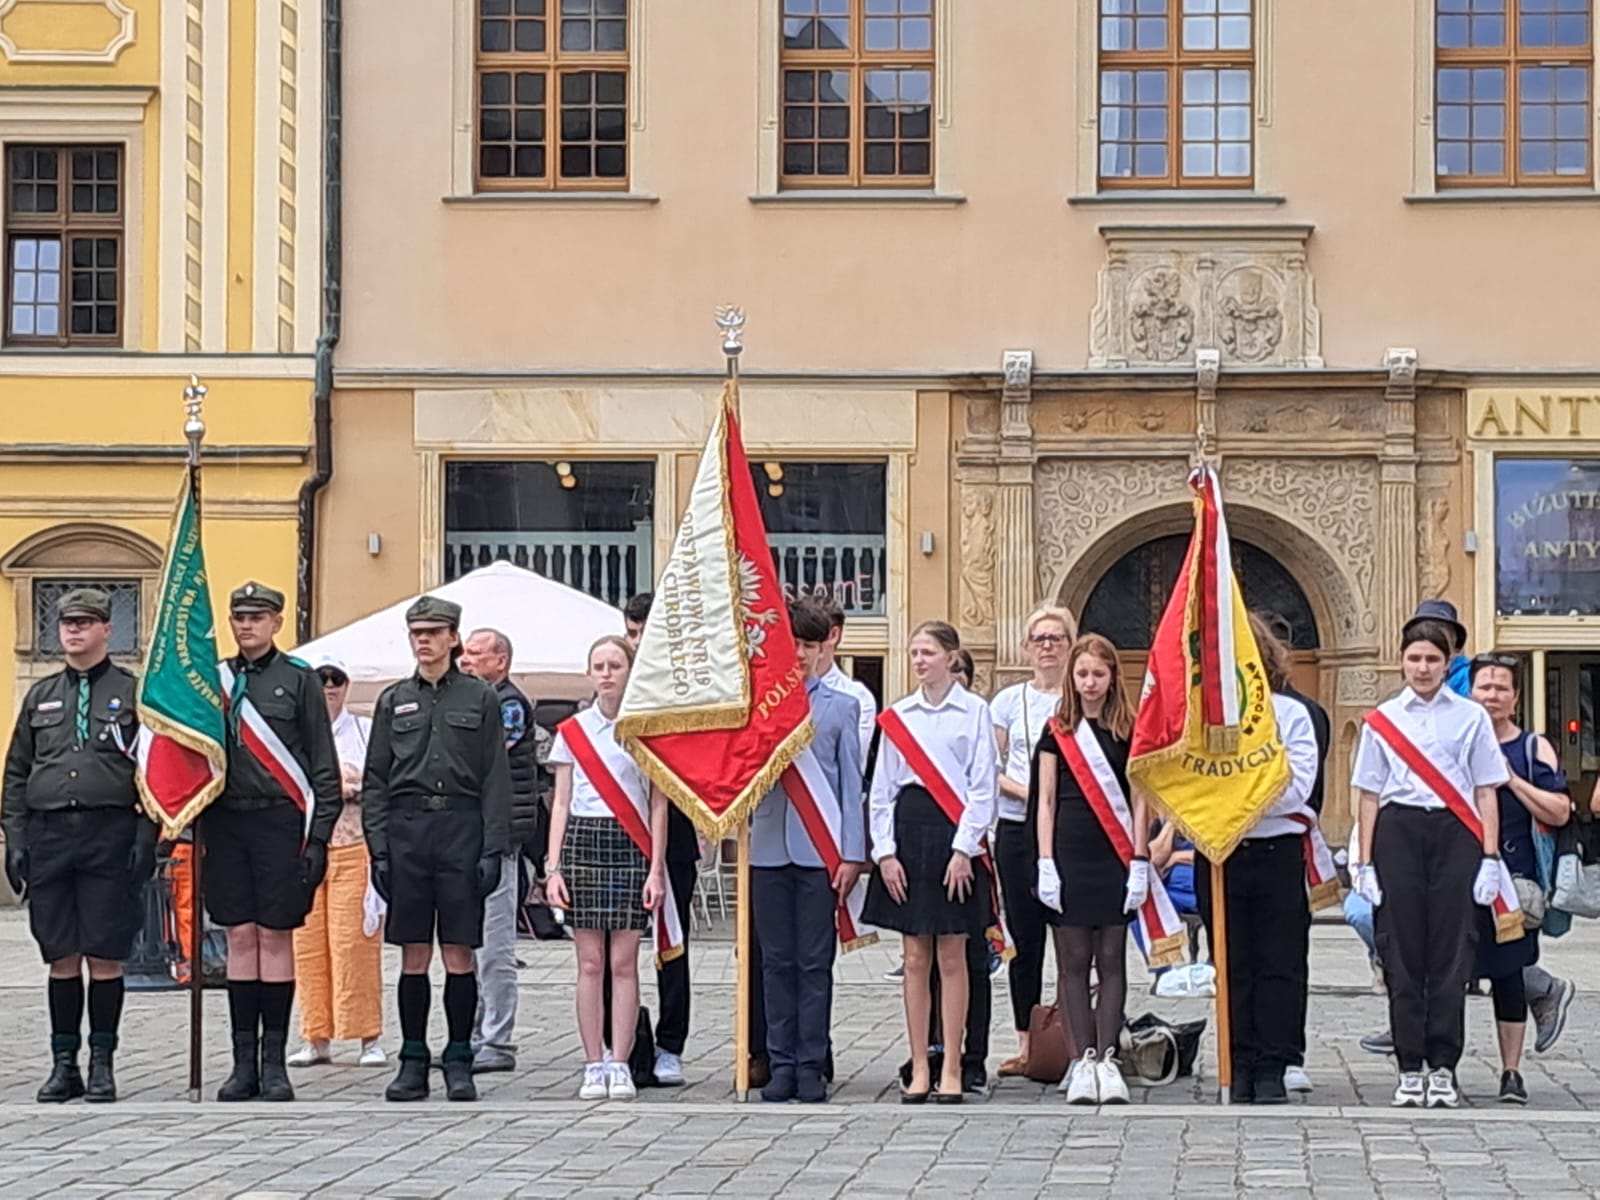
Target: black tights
pixel 1077 948
pixel 1510 999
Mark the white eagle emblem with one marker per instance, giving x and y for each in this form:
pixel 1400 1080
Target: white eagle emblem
pixel 755 620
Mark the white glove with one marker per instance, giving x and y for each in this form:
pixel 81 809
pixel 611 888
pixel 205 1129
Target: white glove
pixel 1049 884
pixel 1487 885
pixel 1138 885
pixel 1365 883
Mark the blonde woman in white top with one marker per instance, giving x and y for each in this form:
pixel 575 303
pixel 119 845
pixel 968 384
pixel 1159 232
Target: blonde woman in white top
pixel 1020 712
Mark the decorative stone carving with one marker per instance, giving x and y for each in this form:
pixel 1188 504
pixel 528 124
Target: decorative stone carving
pixel 1014 401
pixel 1135 416
pixel 1358 686
pixel 1434 486
pixel 65 31
pixel 983 416
pixel 1401 363
pixel 1207 368
pixel 977 561
pixel 1018 370
pixel 1301 416
pixel 1165 290
pixel 1079 500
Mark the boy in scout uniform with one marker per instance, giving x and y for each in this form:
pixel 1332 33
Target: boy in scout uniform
pixel 266 835
pixel 436 808
pixel 77 842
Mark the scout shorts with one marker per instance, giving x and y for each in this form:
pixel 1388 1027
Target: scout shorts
pixel 82 899
pixel 251 874
pixel 433 877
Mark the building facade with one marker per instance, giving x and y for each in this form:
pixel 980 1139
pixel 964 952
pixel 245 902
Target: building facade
pixel 1005 266
pixel 162 170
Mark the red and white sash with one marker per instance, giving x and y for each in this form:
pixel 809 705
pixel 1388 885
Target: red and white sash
pixel 632 813
pixel 1428 761
pixel 930 762
pixel 1157 927
pixel 267 748
pixel 806 785
pixel 1322 877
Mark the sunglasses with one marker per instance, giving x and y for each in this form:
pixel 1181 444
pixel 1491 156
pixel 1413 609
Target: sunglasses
pixel 1047 639
pixel 1509 661
pixel 332 678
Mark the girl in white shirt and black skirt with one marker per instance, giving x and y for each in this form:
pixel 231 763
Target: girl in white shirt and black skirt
pixel 933 798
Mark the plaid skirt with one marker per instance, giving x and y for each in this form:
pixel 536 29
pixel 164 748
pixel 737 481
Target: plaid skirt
pixel 605 875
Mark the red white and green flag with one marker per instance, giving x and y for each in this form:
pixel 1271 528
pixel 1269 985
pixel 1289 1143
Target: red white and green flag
pixel 182 752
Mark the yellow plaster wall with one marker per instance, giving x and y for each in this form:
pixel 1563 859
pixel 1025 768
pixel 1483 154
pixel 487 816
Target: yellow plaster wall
pixel 50 25
pixel 149 410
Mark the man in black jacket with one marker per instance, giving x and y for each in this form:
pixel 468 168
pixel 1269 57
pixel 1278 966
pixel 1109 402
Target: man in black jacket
pixel 77 844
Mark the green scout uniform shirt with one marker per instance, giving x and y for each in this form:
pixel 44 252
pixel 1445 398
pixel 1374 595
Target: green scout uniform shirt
pixel 46 767
pixel 441 739
pixel 287 693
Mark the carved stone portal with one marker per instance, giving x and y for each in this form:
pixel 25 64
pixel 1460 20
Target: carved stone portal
pixel 1244 289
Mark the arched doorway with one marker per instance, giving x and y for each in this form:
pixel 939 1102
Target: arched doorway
pixel 1127 602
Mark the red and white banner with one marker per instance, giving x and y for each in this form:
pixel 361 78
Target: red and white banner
pixel 1157 927
pixel 268 749
pixel 946 783
pixel 716 704
pixel 632 813
pixel 806 785
pixel 1322 877
pixel 1424 756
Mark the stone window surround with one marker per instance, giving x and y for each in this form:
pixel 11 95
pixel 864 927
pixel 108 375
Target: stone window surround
pixel 92 116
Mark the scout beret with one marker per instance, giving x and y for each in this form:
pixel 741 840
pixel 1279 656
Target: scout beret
pixel 433 610
pixel 255 597
pixel 85 602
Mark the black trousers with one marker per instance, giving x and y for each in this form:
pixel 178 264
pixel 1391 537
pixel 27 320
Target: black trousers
pixel 793 911
pixel 1427 930
pixel 1016 858
pixel 1269 941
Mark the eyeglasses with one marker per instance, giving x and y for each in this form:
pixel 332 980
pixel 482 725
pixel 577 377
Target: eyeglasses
pixel 332 679
pixel 1046 639
pixel 1509 661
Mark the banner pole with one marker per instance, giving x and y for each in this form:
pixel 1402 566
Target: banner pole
pixel 194 430
pixel 1219 960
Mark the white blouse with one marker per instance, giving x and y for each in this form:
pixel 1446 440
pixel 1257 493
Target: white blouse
pixel 963 725
pixel 586 801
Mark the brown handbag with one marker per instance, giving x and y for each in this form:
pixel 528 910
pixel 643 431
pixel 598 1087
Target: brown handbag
pixel 1049 1047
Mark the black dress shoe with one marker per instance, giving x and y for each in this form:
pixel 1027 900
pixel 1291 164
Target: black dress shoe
pixel 949 1098
pixel 275 1085
pixel 102 1088
pixel 411 1083
pixel 782 1087
pixel 909 1097
pixel 760 1070
pixel 974 1078
pixel 1270 1090
pixel 810 1087
pixel 1243 1089
pixel 245 1081
pixel 827 1066
pixel 65 1082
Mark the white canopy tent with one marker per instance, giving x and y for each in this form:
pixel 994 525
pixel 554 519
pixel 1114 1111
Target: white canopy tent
pixel 551 627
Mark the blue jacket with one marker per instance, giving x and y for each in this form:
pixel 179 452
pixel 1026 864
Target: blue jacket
pixel 1458 675
pixel 777 837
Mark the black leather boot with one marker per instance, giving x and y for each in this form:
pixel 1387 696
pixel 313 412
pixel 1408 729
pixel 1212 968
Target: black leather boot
pixel 65 1082
pixel 458 1083
pixel 412 1081
pixel 245 1082
pixel 102 1087
pixel 274 1073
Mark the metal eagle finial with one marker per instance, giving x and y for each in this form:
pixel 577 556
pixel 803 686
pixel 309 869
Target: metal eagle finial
pixel 730 319
pixel 193 427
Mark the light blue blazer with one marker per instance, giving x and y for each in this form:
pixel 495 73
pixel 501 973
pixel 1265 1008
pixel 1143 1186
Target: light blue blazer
pixel 777 837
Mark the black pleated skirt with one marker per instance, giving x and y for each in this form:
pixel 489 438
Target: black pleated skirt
pixel 924 838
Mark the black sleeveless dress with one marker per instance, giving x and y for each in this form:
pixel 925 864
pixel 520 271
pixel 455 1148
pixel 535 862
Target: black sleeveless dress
pixel 1093 880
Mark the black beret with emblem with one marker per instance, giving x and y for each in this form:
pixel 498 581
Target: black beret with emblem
pixel 433 610
pixel 85 602
pixel 255 597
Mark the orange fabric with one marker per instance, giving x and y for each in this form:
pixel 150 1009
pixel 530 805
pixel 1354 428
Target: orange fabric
pixel 338 969
pixel 181 876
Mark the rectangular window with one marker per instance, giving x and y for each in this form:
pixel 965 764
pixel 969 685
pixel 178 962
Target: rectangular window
pixel 1546 526
pixel 552 98
pixel 584 523
pixel 857 93
pixel 1513 83
pixel 63 245
pixel 826 523
pixel 1176 93
pixel 124 595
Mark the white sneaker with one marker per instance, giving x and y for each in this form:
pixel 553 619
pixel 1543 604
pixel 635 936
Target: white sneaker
pixel 620 1082
pixel 669 1069
pixel 1295 1079
pixel 372 1054
pixel 595 1079
pixel 1442 1090
pixel 1409 1093
pixel 1083 1081
pixel 312 1054
pixel 1113 1088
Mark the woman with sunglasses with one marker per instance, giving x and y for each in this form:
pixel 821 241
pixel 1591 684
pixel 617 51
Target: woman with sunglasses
pixel 1536 791
pixel 338 963
pixel 1020 713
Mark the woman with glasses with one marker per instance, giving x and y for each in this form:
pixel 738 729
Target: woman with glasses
pixel 338 959
pixel 1020 712
pixel 1537 790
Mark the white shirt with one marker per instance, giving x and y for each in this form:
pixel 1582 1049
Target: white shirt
pixel 350 736
pixel 840 682
pixel 1299 738
pixel 1459 725
pixel 1022 710
pixel 586 801
pixel 963 726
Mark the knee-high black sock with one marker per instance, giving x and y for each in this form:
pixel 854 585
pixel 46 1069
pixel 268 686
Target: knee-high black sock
pixel 415 996
pixel 460 1006
pixel 66 1012
pixel 276 1000
pixel 244 1005
pixel 105 1005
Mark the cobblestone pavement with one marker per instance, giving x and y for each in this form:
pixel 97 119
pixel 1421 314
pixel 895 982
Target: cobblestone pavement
pixel 528 1136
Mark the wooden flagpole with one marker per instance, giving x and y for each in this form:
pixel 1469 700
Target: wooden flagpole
pixel 194 430
pixel 731 321
pixel 1219 960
